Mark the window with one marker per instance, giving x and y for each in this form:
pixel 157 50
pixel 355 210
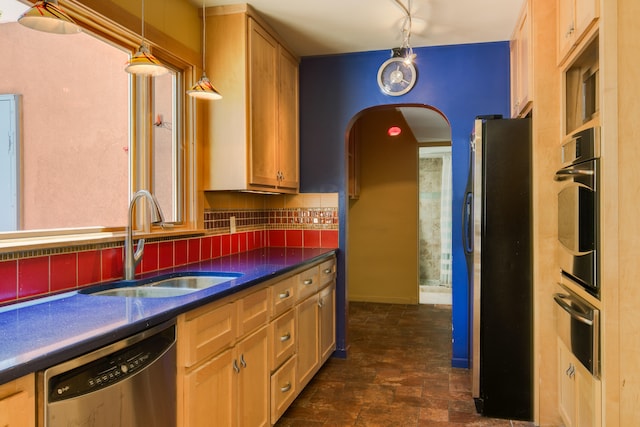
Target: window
pixel 79 159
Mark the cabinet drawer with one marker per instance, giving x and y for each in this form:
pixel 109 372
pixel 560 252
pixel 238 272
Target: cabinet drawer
pixel 283 389
pixel 210 330
pixel 253 311
pixel 327 272
pixel 307 283
pixel 283 338
pixel 283 295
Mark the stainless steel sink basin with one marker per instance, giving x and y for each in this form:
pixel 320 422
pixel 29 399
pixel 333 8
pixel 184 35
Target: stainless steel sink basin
pixel 168 287
pixel 191 282
pixel 144 292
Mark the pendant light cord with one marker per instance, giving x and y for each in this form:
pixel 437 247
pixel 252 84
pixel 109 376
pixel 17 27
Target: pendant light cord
pixel 204 34
pixel 142 22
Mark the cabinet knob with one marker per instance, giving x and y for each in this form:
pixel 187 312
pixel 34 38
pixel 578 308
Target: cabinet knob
pixel 286 387
pixel 327 271
pixel 285 337
pixel 308 282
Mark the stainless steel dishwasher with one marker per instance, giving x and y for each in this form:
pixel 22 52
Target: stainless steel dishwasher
pixel 131 383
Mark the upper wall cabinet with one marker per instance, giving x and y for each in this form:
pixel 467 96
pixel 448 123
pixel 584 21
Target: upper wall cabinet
pixel 520 50
pixel 253 130
pixel 575 18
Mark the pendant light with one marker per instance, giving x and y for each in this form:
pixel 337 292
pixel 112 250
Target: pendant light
pixel 203 88
pixel 143 62
pixel 47 16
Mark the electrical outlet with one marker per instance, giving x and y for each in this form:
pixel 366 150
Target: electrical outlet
pixel 232 224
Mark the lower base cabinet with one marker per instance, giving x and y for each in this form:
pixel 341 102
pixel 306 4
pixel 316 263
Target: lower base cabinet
pixel 244 359
pixel 18 403
pixel 579 392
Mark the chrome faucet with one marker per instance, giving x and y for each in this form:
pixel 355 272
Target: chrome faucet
pixel 131 258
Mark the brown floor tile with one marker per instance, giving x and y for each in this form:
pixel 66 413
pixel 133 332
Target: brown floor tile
pixel 398 374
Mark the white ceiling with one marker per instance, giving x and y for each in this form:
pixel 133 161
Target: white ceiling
pixel 324 27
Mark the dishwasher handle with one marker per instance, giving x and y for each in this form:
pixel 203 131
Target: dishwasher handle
pixel 561 300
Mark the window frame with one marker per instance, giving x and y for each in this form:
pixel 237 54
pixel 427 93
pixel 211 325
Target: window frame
pixel 181 61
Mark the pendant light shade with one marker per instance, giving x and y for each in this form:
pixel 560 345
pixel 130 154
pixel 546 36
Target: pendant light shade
pixel 203 88
pixel 47 16
pixel 143 62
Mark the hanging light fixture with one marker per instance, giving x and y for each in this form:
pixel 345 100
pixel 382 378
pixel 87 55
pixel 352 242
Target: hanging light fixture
pixel 405 51
pixel 143 62
pixel 47 16
pixel 203 88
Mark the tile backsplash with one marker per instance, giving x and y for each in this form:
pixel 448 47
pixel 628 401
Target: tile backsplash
pixel 27 274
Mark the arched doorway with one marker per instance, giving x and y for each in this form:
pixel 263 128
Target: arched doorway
pixel 382 233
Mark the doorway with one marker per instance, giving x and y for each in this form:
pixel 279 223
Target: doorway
pixel 382 238
pixel 434 204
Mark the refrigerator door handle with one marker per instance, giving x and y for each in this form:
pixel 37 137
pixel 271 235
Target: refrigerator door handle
pixel 566 306
pixel 467 212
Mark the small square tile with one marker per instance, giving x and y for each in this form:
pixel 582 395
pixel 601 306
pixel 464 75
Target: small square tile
pixel 276 238
pixel 329 238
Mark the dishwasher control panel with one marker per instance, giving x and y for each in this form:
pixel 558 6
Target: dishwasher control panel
pixel 108 369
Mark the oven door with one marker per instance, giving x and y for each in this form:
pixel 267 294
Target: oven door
pixel 578 213
pixel 578 326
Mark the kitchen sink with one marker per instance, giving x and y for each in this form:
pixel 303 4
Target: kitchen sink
pixel 165 287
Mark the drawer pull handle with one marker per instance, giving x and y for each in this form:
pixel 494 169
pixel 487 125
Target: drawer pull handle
pixel 285 337
pixel 327 271
pixel 286 388
pixel 284 295
pixel 235 366
pixel 308 282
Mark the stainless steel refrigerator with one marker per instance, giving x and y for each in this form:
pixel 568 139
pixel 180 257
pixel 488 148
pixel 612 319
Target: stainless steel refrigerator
pixel 498 245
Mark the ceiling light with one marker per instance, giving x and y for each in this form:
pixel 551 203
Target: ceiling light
pixel 47 16
pixel 143 62
pixel 405 50
pixel 394 131
pixel 203 88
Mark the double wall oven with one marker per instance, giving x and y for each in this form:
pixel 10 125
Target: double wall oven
pixel 578 322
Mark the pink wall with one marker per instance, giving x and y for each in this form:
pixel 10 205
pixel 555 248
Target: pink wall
pixel 73 141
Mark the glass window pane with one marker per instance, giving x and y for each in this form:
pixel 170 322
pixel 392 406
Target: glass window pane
pixel 166 153
pixel 75 127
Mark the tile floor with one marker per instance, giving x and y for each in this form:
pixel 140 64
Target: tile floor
pixel 398 374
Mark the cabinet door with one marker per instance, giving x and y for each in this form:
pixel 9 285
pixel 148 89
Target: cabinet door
pixel 520 64
pixel 263 104
pixel 203 390
pixel 253 380
pixel 308 349
pixel 566 27
pixel 586 11
pixel 566 385
pixel 17 403
pixel 327 310
pixel 587 398
pixel 287 119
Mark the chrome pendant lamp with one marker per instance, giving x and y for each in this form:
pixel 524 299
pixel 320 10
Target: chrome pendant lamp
pixel 47 16
pixel 203 88
pixel 143 62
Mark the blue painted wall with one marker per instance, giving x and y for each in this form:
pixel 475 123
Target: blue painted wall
pixel 462 81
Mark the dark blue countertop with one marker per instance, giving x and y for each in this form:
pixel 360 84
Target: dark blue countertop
pixel 37 334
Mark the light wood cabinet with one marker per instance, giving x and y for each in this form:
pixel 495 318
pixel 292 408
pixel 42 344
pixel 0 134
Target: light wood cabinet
pixel 307 323
pixel 257 349
pixel 575 18
pixel 579 393
pixel 520 55
pixel 18 403
pixel 223 351
pixel 252 135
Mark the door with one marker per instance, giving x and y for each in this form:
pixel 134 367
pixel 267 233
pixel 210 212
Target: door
pixel 9 162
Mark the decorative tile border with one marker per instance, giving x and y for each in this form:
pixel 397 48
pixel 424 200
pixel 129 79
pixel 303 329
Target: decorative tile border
pixel 273 219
